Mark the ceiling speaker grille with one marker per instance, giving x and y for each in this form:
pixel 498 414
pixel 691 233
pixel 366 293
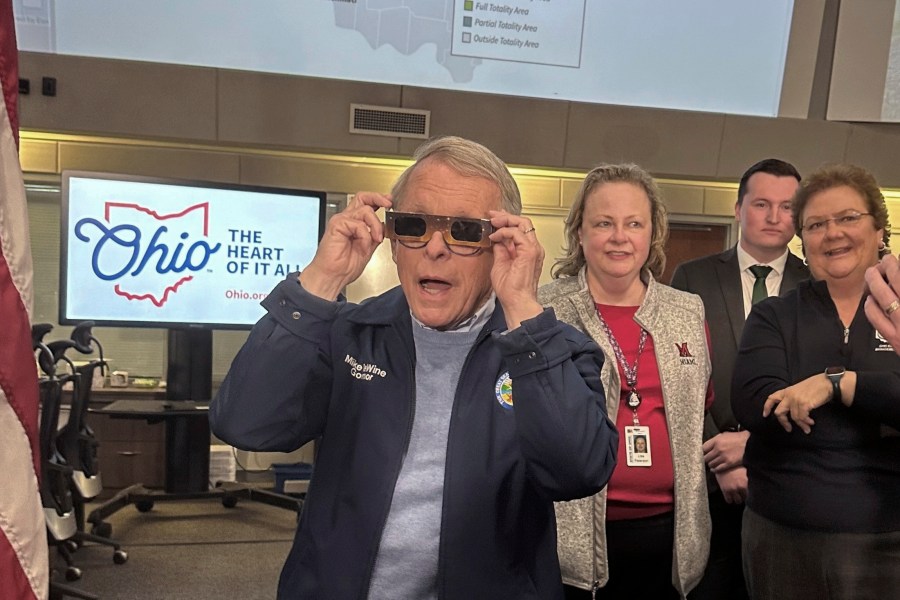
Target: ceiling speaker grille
pixel 393 122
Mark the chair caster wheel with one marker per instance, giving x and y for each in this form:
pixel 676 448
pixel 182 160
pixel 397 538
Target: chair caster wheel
pixel 71 545
pixel 229 501
pixel 103 529
pixel 73 574
pixel 120 557
pixel 144 505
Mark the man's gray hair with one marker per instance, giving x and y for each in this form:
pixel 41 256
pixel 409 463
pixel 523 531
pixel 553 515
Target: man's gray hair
pixel 468 158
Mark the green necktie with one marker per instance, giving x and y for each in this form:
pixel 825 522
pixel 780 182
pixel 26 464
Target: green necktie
pixel 760 292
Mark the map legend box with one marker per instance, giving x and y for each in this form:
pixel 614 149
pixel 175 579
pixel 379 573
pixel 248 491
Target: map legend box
pixel 548 32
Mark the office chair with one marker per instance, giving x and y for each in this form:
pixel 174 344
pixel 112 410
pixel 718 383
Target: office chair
pixel 56 474
pixel 76 440
pixel 56 495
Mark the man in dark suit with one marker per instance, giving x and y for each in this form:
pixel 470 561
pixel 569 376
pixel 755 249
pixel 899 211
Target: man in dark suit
pixel 759 265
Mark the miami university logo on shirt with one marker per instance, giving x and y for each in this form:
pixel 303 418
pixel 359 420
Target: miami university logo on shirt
pixel 684 355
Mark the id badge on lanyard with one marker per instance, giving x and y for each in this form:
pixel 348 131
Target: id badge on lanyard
pixel 637 446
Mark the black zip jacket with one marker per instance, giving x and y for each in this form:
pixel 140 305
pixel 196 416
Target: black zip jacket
pixel 845 475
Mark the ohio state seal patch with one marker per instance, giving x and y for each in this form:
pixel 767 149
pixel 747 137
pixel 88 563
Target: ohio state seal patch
pixel 503 391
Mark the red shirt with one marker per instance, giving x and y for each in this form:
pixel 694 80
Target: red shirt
pixel 635 492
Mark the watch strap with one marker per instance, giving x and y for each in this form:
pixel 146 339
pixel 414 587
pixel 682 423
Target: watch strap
pixel 836 385
pixel 834 375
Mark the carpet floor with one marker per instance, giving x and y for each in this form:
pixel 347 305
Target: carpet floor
pixel 193 549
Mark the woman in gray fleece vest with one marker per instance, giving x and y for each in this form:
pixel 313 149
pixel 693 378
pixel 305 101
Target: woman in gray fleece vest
pixel 646 535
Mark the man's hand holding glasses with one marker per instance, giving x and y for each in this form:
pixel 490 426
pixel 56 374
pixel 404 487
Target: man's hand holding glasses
pixel 352 236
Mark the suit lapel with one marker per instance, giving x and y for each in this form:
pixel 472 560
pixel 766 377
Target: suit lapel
pixel 794 272
pixel 729 276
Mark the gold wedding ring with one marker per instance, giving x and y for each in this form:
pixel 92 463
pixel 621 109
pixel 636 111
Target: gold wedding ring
pixel 892 307
pixel 532 229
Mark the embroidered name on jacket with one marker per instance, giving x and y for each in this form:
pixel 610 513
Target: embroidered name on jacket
pixel 363 371
pixel 684 355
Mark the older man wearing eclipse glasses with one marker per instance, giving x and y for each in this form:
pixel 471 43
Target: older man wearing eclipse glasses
pixel 452 411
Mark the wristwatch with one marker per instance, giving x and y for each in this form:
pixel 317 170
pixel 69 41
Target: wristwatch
pixel 834 374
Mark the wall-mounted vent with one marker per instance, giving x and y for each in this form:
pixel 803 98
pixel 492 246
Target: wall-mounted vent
pixel 393 122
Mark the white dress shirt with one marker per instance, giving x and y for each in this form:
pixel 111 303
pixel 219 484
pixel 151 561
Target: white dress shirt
pixel 773 279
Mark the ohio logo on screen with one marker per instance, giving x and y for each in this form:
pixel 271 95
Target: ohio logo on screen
pixel 145 255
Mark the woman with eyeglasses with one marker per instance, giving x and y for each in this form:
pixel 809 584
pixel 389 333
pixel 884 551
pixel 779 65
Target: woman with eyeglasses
pixel 819 389
pixel 646 535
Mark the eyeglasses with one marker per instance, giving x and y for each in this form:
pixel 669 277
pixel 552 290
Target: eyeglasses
pixel 463 236
pixel 845 221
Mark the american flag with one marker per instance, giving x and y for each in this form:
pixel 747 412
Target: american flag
pixel 24 571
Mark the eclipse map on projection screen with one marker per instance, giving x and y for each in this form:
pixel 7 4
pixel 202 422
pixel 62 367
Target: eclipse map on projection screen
pixel 705 55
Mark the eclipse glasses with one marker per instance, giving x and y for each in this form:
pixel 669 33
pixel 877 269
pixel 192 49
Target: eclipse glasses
pixel 462 235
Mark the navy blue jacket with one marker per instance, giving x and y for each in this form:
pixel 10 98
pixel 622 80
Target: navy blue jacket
pixel 345 373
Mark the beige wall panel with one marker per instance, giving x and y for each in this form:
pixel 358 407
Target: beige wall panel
pixel 521 131
pixel 317 175
pixel 551 232
pixel 301 112
pixel 538 192
pixel 877 148
pixel 682 199
pixel 119 97
pixel 37 156
pixel 719 201
pixel 150 161
pixel 665 142
pixel 570 189
pixel 806 144
pixel 893 206
pixel 349 177
pixel 380 275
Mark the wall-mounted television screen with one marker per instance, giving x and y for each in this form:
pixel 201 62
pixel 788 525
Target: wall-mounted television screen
pixel 138 251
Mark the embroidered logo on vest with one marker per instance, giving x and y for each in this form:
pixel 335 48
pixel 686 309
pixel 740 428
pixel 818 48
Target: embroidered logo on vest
pixel 684 355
